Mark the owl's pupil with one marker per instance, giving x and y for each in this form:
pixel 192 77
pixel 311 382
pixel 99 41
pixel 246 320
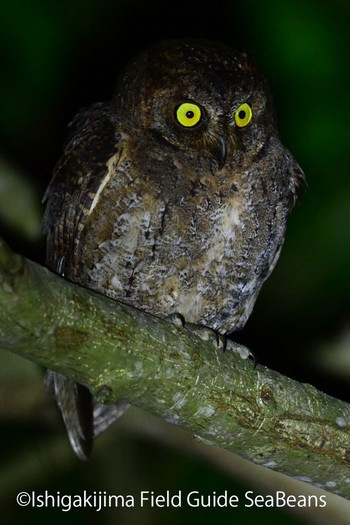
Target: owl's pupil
pixel 241 114
pixel 189 114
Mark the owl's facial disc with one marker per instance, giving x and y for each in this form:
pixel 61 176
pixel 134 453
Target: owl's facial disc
pixel 198 97
pixel 218 130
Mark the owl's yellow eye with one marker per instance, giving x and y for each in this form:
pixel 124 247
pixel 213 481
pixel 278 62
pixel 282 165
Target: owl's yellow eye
pixel 243 115
pixel 188 114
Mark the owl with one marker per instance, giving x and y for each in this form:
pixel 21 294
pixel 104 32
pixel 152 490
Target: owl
pixel 173 198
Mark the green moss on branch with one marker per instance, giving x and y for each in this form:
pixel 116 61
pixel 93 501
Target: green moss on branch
pixel 120 352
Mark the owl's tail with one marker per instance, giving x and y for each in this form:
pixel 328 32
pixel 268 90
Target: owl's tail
pixel 84 417
pixel 75 402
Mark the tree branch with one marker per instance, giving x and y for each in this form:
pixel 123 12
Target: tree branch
pixel 120 352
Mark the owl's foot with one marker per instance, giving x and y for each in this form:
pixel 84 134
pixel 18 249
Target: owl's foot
pixel 242 351
pixel 208 334
pixel 176 319
pixel 205 333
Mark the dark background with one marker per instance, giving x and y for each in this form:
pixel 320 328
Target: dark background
pixel 58 56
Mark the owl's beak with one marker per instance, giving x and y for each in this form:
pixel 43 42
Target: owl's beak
pixel 220 150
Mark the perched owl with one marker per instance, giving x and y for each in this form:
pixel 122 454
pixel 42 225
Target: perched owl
pixel 172 198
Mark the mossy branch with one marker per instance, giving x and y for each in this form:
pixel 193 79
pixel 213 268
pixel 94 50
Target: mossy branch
pixel 120 352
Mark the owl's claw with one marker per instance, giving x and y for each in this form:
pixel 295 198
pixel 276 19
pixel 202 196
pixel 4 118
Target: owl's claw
pixel 205 333
pixel 210 335
pixel 242 351
pixel 176 319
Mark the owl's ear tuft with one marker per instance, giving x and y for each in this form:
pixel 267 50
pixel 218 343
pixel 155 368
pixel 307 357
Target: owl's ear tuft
pixel 245 61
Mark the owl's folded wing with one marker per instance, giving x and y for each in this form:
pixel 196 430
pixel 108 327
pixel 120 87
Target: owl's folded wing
pixel 78 178
pixel 296 179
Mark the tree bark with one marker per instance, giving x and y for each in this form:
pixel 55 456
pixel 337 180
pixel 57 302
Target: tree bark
pixel 120 352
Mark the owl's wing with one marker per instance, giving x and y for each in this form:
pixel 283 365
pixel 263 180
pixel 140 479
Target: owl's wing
pixel 78 178
pixel 296 179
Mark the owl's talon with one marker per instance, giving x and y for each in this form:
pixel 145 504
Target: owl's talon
pixel 242 351
pixel 207 334
pixel 176 319
pixel 204 332
pixel 222 342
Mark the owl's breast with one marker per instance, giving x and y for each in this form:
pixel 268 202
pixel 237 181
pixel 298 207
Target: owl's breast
pixel 204 254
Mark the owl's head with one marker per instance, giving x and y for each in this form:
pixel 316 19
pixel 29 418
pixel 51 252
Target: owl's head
pixel 198 94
